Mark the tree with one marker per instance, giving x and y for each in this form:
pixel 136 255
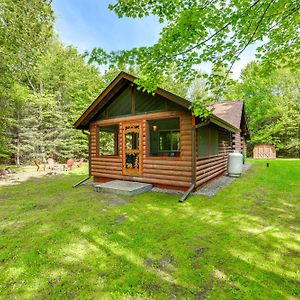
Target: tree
pixel 62 87
pixel 39 114
pixel 214 31
pixel 25 28
pixel 272 104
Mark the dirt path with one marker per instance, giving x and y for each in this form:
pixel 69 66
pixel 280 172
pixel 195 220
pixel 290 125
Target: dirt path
pixel 25 174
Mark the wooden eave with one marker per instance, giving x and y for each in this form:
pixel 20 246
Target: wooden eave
pixel 118 83
pixel 220 122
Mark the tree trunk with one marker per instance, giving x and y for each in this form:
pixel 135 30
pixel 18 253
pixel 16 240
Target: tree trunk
pixel 17 156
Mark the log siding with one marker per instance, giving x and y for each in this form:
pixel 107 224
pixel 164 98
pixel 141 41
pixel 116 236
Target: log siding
pixel 168 171
pixel 210 167
pixel 239 142
pixel 173 172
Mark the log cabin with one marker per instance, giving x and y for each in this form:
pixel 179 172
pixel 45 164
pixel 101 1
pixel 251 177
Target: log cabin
pixel 233 112
pixel 155 138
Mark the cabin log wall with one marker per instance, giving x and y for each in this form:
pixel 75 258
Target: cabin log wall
pixel 237 142
pixel 168 171
pixel 210 167
pixel 174 172
pixel 163 171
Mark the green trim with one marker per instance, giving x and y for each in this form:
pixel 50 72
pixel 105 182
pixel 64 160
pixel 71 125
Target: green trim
pixel 214 119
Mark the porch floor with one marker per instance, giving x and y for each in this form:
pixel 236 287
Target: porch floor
pixel 123 187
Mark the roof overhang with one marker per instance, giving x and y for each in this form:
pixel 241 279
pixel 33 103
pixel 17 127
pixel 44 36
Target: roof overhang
pixel 121 81
pixel 220 122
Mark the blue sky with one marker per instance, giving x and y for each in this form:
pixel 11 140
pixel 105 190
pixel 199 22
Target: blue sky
pixel 89 23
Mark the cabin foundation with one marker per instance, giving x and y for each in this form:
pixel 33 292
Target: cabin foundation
pixel 128 188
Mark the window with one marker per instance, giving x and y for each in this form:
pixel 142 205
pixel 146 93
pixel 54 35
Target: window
pixel 169 140
pixel 164 137
pixel 108 140
pixel 208 141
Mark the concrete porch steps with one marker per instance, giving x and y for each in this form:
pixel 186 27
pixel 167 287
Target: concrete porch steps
pixel 123 187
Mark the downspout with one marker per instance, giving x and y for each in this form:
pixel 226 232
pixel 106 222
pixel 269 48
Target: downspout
pixel 193 184
pixel 89 160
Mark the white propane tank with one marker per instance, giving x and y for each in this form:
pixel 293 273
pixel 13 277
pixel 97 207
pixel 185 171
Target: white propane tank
pixel 235 164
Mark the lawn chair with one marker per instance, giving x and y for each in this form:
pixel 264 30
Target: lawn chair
pixel 80 162
pixel 70 163
pixel 51 163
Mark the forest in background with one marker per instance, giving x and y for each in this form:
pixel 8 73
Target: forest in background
pixel 45 86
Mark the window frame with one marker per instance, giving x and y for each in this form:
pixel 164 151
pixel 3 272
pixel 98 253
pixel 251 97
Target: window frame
pixel 210 148
pixel 148 140
pixel 116 140
pixel 171 131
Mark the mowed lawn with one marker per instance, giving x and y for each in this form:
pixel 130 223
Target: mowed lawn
pixel 58 242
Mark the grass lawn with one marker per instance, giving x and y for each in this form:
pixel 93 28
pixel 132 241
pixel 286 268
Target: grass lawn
pixel 57 242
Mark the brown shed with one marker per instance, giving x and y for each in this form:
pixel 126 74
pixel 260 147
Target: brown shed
pixel 264 151
pixel 154 139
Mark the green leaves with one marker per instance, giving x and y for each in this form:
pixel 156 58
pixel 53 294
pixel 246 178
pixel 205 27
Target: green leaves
pixel 272 107
pixel 44 87
pixel 197 31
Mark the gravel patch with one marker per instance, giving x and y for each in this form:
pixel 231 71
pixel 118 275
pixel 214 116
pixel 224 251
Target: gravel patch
pixel 166 191
pixel 246 167
pixel 209 189
pixel 88 183
pixel 212 188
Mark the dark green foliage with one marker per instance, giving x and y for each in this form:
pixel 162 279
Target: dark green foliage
pixel 43 91
pixel 272 102
pixel 25 28
pixel 45 87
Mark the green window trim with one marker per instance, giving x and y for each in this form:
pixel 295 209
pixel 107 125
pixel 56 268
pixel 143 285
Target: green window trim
pixel 208 141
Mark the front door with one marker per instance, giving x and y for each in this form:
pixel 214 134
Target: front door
pixel 132 158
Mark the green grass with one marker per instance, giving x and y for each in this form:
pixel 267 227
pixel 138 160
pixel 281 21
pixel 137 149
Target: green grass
pixel 57 242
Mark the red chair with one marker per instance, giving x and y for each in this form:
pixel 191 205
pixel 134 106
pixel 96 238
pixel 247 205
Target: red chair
pixel 70 163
